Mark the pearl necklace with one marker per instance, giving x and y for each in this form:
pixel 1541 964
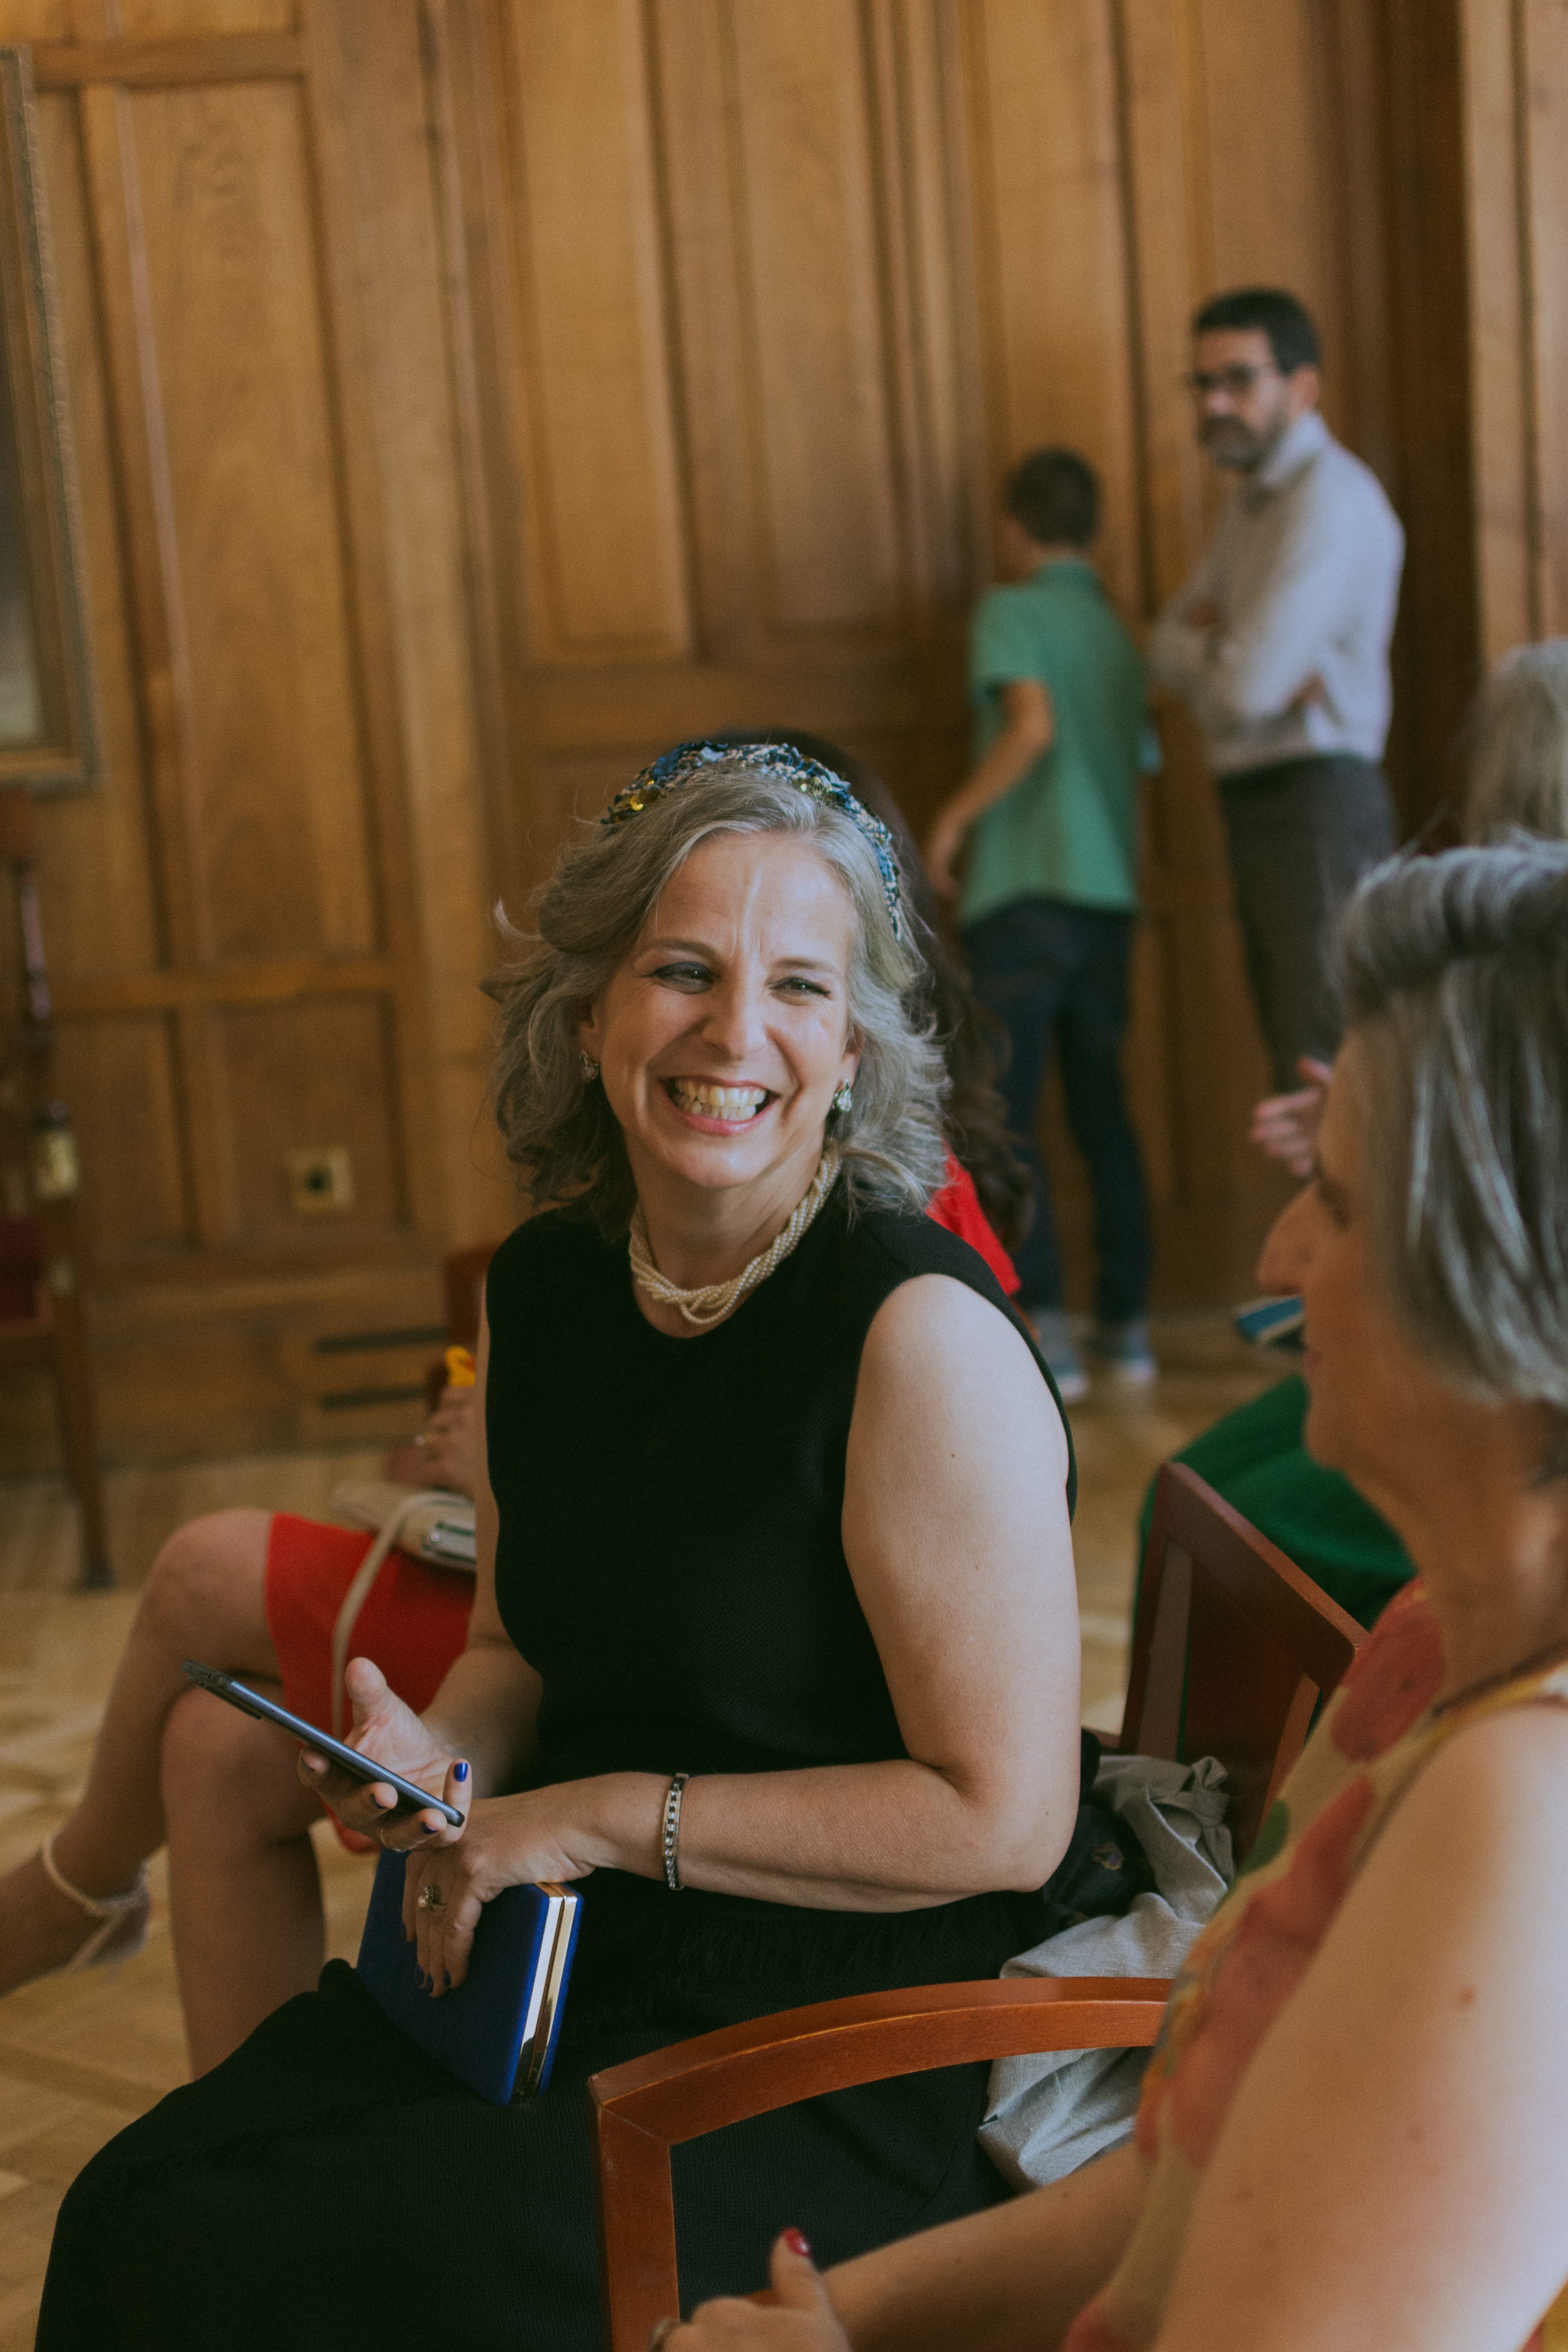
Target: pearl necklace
pixel 714 1300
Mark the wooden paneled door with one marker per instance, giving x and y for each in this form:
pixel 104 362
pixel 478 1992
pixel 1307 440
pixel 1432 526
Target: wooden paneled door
pixel 756 300
pixel 245 919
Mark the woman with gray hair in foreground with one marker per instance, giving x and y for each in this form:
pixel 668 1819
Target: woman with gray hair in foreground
pixel 775 1648
pixel 1354 2130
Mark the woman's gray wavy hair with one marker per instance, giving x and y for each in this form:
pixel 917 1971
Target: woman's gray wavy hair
pixel 1454 974
pixel 563 1136
pixel 1518 731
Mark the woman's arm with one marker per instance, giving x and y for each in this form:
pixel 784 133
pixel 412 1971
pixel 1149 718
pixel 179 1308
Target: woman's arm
pixel 484 1712
pixel 1389 2177
pixel 1010 2280
pixel 956 1533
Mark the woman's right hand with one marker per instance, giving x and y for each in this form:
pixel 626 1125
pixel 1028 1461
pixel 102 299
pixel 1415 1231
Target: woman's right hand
pixel 385 1728
pixel 800 2317
pixel 450 1442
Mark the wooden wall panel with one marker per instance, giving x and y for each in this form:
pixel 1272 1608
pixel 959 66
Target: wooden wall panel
pixel 1542 34
pixel 817 374
pixel 254 528
pixel 119 1076
pixel 1060 325
pixel 407 411
pixel 301 1076
pixel 1502 355
pixel 1513 63
pixel 102 884
pixel 167 20
pixel 1268 156
pixel 604 517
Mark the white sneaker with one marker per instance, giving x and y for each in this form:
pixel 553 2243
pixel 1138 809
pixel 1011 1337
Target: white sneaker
pixel 1053 1327
pixel 1122 1352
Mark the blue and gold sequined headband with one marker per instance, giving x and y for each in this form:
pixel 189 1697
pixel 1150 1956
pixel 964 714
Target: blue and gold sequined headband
pixel 687 762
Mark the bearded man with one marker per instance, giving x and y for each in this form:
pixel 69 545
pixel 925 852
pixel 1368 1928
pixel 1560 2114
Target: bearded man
pixel 1279 644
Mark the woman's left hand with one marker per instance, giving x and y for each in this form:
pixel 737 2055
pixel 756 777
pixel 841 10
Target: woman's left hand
pixel 506 1842
pixel 799 2319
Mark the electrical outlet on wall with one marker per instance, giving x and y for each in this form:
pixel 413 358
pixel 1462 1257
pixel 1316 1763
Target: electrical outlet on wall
pixel 320 1181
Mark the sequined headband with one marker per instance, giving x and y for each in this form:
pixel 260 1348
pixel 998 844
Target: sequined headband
pixel 687 762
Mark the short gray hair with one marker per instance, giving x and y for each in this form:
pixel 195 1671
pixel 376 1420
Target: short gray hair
pixel 1454 975
pixel 563 1135
pixel 1518 746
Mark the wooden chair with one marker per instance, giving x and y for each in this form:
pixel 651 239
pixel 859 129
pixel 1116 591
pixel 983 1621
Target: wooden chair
pixel 1224 1618
pixel 1232 1648
pixel 43 1263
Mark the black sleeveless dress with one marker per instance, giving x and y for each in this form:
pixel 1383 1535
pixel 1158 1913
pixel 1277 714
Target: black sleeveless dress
pixel 671 1560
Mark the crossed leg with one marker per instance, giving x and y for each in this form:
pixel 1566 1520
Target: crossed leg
pixel 175 1765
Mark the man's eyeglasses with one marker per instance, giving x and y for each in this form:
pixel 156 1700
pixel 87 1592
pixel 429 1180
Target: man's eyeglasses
pixel 1235 381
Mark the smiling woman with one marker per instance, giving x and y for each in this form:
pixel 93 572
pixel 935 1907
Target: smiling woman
pixel 840 959
pixel 773 1649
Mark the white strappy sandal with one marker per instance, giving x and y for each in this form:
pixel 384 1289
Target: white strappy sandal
pixel 113 1913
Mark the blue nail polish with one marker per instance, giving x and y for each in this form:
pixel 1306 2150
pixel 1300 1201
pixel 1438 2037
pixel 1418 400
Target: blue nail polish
pixel 446 1978
pixel 460 1769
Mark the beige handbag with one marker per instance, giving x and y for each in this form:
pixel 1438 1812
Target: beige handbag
pixel 434 1526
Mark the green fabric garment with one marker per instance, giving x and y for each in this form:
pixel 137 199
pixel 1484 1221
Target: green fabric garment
pixel 1069 828
pixel 1255 1459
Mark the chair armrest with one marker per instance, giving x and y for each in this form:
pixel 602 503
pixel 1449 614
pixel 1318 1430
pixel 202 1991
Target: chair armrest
pixel 700 2085
pixel 640 2110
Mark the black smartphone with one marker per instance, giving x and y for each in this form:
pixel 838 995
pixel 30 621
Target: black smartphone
pixel 348 1759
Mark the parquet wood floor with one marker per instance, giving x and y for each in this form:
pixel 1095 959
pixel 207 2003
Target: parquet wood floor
pixel 81 2056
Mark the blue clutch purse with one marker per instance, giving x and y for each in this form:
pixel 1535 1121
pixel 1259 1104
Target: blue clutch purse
pixel 498 2031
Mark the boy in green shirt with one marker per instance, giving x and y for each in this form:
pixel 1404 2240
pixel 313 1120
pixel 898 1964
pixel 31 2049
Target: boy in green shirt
pixel 1050 893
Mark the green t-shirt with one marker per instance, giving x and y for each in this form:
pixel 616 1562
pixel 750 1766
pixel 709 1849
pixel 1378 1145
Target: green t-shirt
pixel 1069 828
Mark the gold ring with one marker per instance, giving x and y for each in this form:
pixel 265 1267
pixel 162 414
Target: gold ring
pixel 431 1897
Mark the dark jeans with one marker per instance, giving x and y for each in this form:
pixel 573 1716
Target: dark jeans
pixel 1056 973
pixel 1301 835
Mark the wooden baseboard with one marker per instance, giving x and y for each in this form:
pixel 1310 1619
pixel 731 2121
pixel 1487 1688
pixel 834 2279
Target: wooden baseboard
pixel 245 1366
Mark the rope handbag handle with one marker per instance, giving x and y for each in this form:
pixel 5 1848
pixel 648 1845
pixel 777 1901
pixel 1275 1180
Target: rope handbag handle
pixel 359 1591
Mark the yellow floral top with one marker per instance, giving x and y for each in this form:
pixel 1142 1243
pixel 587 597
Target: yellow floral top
pixel 1375 1736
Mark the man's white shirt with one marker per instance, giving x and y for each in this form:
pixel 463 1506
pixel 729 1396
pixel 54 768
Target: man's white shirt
pixel 1304 568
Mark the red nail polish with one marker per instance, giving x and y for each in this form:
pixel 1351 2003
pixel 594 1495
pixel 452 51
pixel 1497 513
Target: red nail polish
pixel 796 2240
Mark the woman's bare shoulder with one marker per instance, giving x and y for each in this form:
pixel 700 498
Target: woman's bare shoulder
pixel 940 1353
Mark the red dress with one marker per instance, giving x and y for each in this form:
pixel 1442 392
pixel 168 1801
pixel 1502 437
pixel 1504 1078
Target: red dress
pixel 957 1207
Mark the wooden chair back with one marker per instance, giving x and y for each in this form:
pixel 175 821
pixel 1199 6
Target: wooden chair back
pixel 641 2110
pixel 1227 1627
pixel 1232 1648
pixel 43 1257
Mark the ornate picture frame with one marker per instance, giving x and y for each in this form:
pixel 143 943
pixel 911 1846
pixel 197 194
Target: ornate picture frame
pixel 49 727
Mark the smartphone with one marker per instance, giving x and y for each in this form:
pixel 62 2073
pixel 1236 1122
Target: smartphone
pixel 1271 1322
pixel 348 1760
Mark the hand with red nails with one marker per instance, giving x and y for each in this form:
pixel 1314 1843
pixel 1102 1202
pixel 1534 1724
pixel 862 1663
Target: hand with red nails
pixel 800 2317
